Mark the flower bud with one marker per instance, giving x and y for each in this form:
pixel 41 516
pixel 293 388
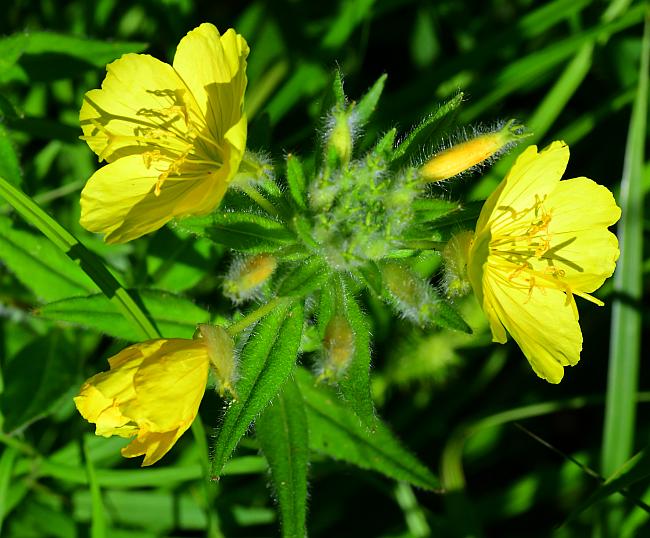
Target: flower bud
pixel 461 157
pixel 338 347
pixel 221 352
pixel 409 294
pixel 246 277
pixel 341 135
pixel 454 257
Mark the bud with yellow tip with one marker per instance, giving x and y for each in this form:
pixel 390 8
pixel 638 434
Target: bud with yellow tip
pixel 221 352
pixel 466 155
pixel 338 347
pixel 454 257
pixel 246 277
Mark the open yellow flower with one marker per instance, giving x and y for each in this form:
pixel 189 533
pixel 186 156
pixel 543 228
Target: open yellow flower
pixel 152 392
pixel 173 135
pixel 538 242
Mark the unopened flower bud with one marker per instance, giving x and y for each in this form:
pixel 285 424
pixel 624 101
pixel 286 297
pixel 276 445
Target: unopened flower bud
pixel 461 157
pixel 338 347
pixel 341 135
pixel 454 256
pixel 221 352
pixel 408 293
pixel 247 276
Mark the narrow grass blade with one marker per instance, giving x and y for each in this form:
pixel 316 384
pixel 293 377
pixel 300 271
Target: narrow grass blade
pixel 98 523
pixel 284 439
pixel 6 470
pixel 625 343
pixel 622 383
pixel 89 262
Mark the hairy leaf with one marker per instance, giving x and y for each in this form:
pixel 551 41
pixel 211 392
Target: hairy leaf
pixel 266 362
pixel 335 430
pixel 282 432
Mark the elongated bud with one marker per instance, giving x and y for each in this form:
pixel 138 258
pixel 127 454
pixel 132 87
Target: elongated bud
pixel 461 157
pixel 409 294
pixel 340 138
pixel 454 257
pixel 338 348
pixel 221 351
pixel 247 276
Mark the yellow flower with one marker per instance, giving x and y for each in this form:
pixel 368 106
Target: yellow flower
pixel 538 242
pixel 173 135
pixel 152 392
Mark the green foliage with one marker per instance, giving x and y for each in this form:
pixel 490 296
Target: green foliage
pixel 338 208
pixel 283 435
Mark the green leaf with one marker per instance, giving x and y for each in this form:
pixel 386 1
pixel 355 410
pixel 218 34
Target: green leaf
pixel 9 164
pixel 266 362
pixel 337 89
pixel 40 265
pixel 284 439
pixel 335 430
pixel 368 102
pixel 6 470
pixel 246 232
pixel 37 378
pixel 351 14
pixel 296 181
pixel 429 129
pixel 11 48
pixel 355 384
pixel 174 316
pixel 51 56
pixel 303 279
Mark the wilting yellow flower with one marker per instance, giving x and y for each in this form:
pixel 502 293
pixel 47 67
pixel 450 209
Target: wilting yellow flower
pixel 173 135
pixel 538 242
pixel 152 392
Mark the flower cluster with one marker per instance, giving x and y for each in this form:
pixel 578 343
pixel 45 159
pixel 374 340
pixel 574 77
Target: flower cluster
pixel 174 138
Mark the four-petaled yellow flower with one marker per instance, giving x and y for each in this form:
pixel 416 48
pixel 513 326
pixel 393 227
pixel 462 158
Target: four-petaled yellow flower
pixel 152 392
pixel 173 135
pixel 538 242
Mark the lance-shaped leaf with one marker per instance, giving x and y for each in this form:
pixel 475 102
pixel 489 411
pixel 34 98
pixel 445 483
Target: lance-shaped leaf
pixel 368 102
pixel 283 435
pixel 246 232
pixel 296 181
pixel 174 316
pixel 354 383
pixel 335 430
pixel 428 129
pixel 266 362
pixel 304 278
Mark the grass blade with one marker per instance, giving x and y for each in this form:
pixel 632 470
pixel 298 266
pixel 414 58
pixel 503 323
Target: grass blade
pixel 89 262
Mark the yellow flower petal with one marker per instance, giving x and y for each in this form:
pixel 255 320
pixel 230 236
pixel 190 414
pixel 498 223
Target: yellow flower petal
pixel 540 320
pixel 174 137
pixel 120 198
pixel 531 178
pixel 214 69
pixel 538 242
pixel 152 391
pixel 142 101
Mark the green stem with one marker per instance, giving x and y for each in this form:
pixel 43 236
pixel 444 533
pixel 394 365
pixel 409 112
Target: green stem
pixel 89 262
pixel 255 315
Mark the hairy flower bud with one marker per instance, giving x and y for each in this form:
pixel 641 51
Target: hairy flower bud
pixel 466 155
pixel 221 352
pixel 338 347
pixel 454 257
pixel 247 276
